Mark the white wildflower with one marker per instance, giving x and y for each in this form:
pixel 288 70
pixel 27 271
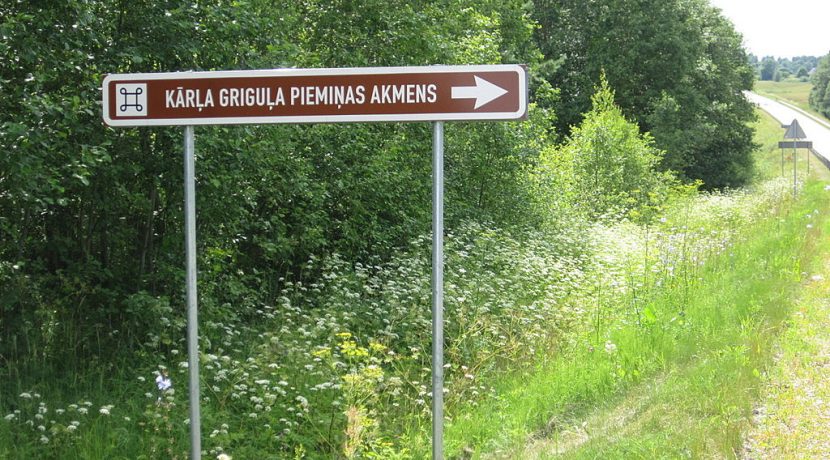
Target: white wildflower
pixel 610 347
pixel 163 381
pixel 26 395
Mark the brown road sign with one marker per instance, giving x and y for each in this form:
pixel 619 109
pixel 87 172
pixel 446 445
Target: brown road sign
pixel 435 93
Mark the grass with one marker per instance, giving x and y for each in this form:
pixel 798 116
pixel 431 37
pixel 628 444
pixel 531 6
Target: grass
pixel 702 403
pixel 795 92
pixel 544 352
pixel 796 392
pixel 671 368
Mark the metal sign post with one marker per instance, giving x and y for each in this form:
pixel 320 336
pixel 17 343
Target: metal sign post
pixel 795 132
pixel 192 319
pixel 795 171
pixel 438 290
pixel 371 94
pixel 782 162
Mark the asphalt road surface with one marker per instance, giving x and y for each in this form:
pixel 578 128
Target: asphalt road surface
pixel 816 130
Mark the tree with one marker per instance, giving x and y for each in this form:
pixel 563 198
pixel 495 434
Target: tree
pixel 614 166
pixel 768 68
pixel 678 69
pixel 820 94
pixel 91 218
pixel 778 75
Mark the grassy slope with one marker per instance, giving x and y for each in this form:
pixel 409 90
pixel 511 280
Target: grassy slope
pixel 792 420
pixel 794 413
pixel 676 387
pixel 703 407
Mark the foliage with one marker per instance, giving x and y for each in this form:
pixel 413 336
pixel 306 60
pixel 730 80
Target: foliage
pixel 765 68
pixel 678 70
pixel 90 217
pixel 768 67
pixel 314 274
pixel 615 167
pixel 820 94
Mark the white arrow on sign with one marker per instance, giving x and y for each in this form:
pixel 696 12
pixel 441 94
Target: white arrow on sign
pixel 483 92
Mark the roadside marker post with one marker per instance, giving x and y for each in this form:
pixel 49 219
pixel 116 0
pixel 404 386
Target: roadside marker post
pixel 795 132
pixel 351 95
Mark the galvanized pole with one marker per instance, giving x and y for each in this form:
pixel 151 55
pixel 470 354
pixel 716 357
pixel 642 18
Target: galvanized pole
pixel 438 291
pixel 795 169
pixel 192 321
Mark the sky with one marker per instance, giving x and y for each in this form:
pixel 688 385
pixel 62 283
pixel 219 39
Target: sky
pixel 781 28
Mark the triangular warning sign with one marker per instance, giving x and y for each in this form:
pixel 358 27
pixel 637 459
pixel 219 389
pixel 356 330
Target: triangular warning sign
pixel 795 131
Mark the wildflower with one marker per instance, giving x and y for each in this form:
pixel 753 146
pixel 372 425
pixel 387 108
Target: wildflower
pixel 163 381
pixel 610 347
pixel 71 428
pixel 26 395
pixel 9 417
pixel 223 456
pixel 83 410
pixel 44 440
pixel 105 410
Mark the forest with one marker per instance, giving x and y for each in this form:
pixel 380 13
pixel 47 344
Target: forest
pixel 313 239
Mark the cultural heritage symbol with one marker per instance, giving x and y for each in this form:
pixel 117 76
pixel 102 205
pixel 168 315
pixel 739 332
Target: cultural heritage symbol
pixel 132 100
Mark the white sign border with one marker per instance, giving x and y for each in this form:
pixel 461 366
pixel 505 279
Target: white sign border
pixel 346 118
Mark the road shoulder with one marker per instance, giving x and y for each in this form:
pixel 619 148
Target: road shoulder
pixel 793 418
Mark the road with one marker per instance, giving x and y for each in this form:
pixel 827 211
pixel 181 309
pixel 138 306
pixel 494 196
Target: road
pixel 817 131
